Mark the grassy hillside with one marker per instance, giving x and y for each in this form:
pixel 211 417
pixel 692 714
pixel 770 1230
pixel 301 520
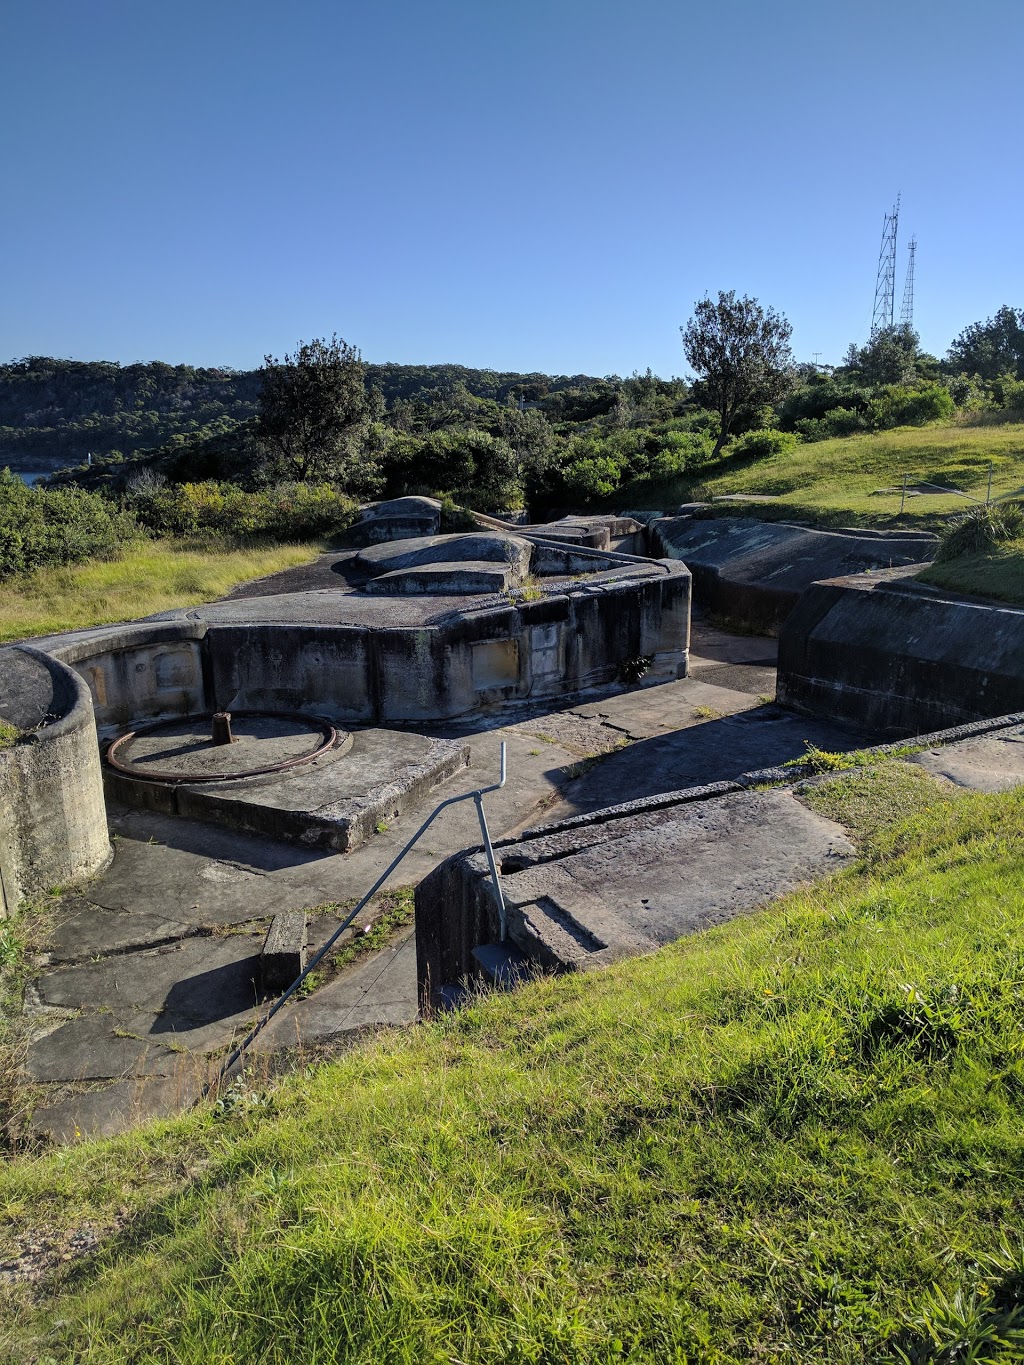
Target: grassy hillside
pixel 798 1136
pixel 837 482
pixel 152 576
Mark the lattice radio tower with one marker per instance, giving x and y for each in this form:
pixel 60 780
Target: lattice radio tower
pixel 907 307
pixel 885 285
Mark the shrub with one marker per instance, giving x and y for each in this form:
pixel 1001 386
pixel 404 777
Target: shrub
pixel 286 511
pixel 981 529
pixel 681 451
pixel 898 406
pixel 759 445
pixel 57 526
pixel 835 422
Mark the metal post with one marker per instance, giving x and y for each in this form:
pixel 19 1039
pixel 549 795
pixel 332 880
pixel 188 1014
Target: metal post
pixel 988 495
pixel 903 495
pixel 322 952
pixel 502 909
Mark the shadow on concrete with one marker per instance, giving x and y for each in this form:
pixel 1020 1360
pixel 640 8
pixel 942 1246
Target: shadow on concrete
pixel 209 997
pixel 716 751
pixel 214 841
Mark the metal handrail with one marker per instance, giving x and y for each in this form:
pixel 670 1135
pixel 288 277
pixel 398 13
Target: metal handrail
pixel 475 796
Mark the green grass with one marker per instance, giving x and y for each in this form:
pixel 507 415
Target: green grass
pixel 869 801
pixel 153 576
pixel 835 482
pixel 797 1136
pixel 995 573
pixel 9 734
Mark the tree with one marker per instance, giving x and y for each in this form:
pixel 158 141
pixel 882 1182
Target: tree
pixel 890 357
pixel 316 416
pixel 741 353
pixel 992 348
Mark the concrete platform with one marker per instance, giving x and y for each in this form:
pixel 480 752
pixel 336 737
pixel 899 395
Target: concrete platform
pixel 334 802
pixel 990 763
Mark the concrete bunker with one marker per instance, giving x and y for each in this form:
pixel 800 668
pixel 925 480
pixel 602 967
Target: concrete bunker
pixel 372 665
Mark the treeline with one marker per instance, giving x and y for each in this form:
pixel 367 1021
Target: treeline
pixel 288 450
pixel 66 410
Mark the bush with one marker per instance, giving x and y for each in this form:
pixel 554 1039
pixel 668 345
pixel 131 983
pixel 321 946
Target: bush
pixel 57 526
pixel 760 445
pixel 835 422
pixel 981 530
pixel 898 406
pixel 286 511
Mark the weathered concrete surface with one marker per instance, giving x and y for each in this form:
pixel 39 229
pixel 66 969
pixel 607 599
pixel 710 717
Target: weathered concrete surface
pixel 334 802
pixel 468 576
pixel 283 957
pixel 399 519
pixel 990 763
pixel 754 571
pixel 888 652
pixel 585 897
pixel 479 547
pixel 53 828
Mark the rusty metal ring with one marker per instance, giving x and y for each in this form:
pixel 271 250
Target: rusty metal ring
pixel 330 740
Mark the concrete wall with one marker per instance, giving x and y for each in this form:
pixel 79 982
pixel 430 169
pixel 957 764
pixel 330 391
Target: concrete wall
pixel 753 572
pixel 470 661
pixel 53 823
pixel 561 643
pixel 894 654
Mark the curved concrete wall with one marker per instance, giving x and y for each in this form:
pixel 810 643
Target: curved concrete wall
pixel 53 824
pixel 895 654
pixel 753 572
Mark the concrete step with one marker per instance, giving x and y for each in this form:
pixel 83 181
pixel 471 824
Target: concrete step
pixel 503 964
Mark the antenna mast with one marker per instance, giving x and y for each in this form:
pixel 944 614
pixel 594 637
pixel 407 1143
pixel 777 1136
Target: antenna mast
pixel 907 308
pixel 885 284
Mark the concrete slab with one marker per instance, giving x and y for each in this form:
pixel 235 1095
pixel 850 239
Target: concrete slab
pixel 110 1110
pixel 91 932
pixel 587 896
pixel 101 1047
pixel 203 980
pixel 991 763
pixel 380 991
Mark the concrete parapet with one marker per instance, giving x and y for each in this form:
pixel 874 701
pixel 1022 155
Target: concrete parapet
pixel 53 824
pixel 753 572
pixel 897 655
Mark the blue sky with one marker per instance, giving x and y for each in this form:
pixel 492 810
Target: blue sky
pixel 546 185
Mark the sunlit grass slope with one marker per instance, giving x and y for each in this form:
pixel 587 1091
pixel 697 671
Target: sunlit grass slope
pixel 152 576
pixel 993 573
pixel 836 482
pixel 794 1137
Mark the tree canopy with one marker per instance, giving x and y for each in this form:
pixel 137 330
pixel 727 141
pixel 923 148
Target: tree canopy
pixel 315 415
pixel 992 348
pixel 740 352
